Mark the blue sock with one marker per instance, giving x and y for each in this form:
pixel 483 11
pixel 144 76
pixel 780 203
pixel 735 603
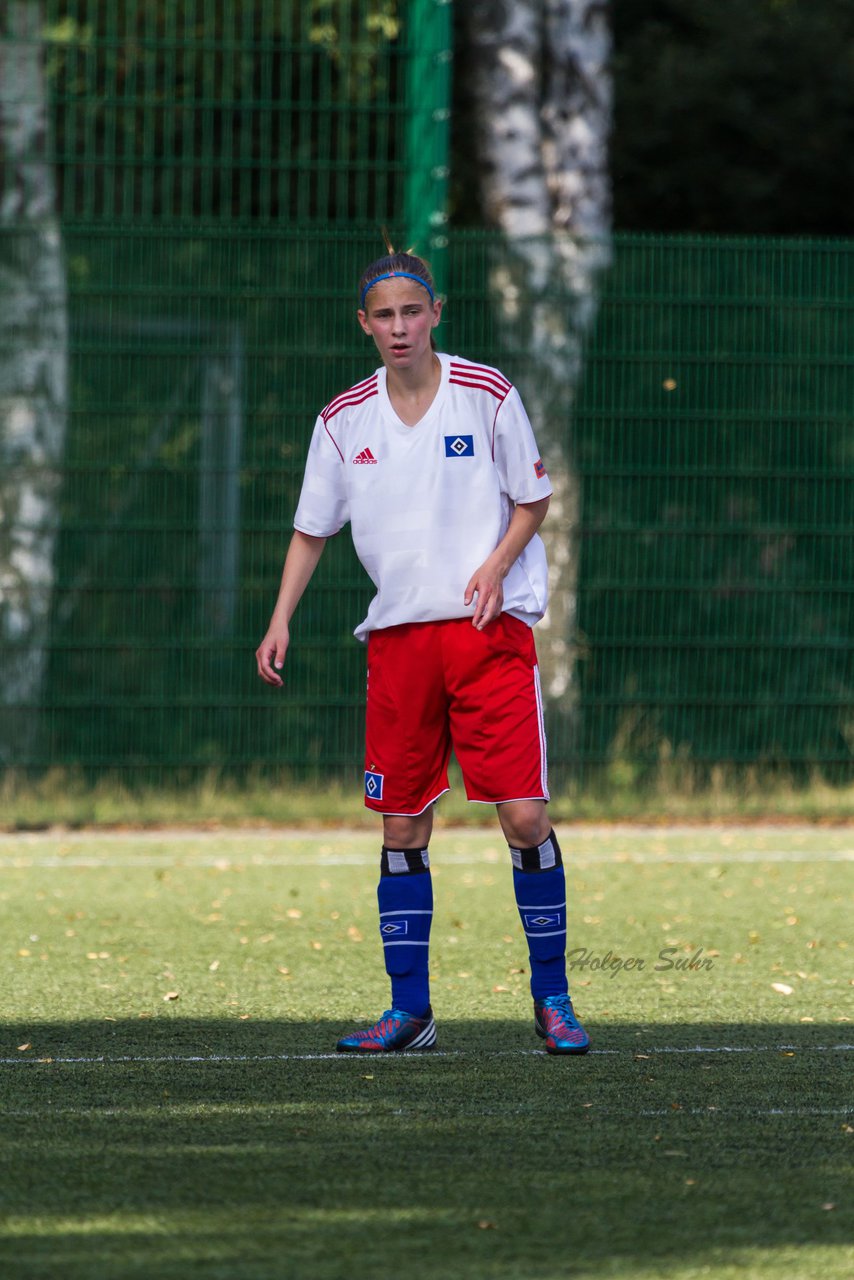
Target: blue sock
pixel 540 886
pixel 405 896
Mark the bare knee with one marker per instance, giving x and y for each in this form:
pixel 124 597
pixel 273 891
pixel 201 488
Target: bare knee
pixel 401 831
pixel 525 823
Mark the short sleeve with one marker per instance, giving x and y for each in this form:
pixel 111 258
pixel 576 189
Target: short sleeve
pixel 323 507
pixel 517 458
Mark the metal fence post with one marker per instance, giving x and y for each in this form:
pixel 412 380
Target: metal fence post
pixel 428 93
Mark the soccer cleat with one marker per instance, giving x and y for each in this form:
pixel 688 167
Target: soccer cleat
pixel 556 1022
pixel 395 1032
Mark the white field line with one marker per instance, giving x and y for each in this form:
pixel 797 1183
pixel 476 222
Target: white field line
pixel 744 1112
pixel 25 861
pixel 103 1060
pixel 605 832
pixel 267 846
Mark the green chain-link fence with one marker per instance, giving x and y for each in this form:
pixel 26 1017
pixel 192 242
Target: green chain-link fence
pixel 222 171
pixel 245 111
pixel 716 443
pixel 712 434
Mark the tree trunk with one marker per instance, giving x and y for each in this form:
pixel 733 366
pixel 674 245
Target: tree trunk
pixel 33 378
pixel 542 101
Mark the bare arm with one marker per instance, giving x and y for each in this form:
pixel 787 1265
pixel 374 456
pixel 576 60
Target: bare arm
pixel 487 581
pixel 301 561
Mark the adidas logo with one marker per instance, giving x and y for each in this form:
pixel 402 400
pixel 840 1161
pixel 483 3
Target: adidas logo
pixel 364 456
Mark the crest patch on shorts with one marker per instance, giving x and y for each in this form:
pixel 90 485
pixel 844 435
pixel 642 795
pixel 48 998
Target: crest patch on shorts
pixel 374 785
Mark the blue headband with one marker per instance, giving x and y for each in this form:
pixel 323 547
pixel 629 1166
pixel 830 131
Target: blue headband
pixel 389 275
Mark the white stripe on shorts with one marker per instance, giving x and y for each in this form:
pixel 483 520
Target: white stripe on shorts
pixel 541 725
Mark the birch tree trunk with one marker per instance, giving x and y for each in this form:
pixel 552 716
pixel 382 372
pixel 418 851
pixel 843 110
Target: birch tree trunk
pixel 33 377
pixel 542 101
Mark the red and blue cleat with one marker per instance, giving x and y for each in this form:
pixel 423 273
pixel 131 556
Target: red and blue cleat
pixel 556 1022
pixel 394 1032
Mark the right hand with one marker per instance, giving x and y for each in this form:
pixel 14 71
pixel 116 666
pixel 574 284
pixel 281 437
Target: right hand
pixel 270 655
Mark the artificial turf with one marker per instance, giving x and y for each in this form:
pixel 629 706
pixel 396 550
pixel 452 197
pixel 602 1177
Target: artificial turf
pixel 172 1105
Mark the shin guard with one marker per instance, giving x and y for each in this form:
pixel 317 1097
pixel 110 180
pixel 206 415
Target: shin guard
pixel 405 896
pixel 540 886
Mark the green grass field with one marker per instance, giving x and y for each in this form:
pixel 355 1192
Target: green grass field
pixel 172 1106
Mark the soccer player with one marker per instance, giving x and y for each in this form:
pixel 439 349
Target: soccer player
pixel 433 462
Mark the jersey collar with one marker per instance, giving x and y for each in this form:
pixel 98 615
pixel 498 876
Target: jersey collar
pixel 387 409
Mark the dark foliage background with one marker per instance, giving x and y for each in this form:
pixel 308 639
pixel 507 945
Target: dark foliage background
pixel 729 116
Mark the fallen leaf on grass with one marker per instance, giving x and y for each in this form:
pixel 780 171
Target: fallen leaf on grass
pixel 783 988
pixel 23 1047
pixel 485 1225
pixel 499 990
pixel 172 995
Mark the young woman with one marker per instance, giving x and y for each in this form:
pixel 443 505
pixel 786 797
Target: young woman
pixel 433 462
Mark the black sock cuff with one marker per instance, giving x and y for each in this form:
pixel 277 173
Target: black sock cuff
pixel 539 857
pixel 404 862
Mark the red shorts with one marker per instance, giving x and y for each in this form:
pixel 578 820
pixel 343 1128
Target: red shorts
pixel 437 685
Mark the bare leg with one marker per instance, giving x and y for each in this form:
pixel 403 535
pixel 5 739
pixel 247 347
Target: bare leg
pixel 403 832
pixel 525 823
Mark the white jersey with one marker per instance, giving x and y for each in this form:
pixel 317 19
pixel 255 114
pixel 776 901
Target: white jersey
pixel 428 504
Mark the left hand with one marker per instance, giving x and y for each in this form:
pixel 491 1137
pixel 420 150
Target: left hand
pixel 487 584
